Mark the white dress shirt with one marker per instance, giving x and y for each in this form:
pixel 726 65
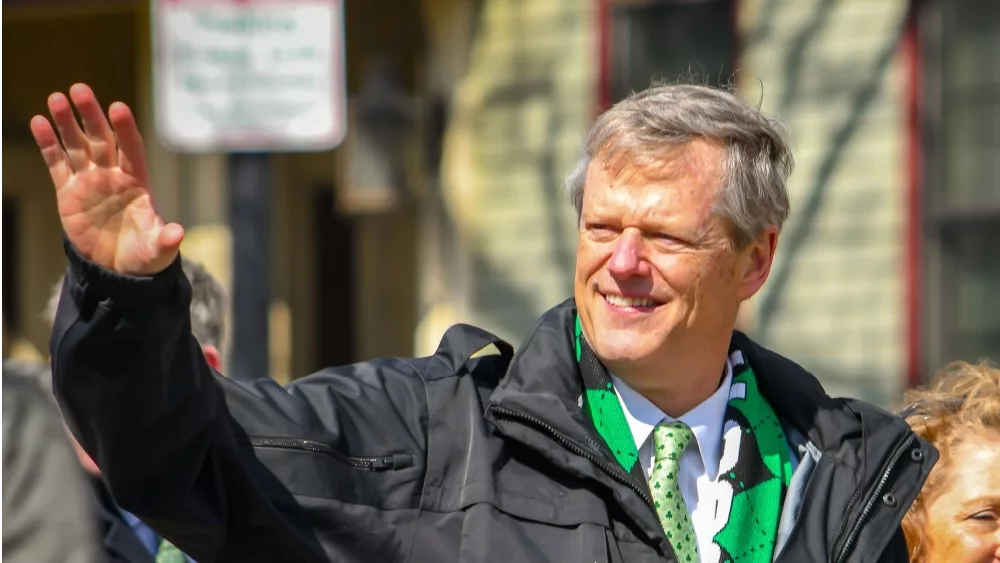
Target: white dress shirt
pixel 699 463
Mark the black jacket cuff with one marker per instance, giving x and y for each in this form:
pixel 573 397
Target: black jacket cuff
pixel 102 283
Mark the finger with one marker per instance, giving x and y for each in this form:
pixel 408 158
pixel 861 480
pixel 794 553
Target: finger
pixel 55 157
pixel 77 147
pixel 131 152
pixel 95 124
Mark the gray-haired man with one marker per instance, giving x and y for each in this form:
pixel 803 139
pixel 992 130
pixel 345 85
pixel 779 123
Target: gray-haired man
pixel 634 424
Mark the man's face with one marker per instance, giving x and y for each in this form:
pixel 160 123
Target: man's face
pixel 655 271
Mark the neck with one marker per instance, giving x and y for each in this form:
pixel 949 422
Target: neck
pixel 678 386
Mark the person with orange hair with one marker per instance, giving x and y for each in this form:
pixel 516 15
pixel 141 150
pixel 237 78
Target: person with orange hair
pixel 956 517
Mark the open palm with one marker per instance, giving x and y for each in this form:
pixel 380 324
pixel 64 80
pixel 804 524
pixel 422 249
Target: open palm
pixel 102 185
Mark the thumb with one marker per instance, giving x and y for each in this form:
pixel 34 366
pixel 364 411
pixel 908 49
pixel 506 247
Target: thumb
pixel 169 239
pixel 162 251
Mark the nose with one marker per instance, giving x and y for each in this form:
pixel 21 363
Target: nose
pixel 627 257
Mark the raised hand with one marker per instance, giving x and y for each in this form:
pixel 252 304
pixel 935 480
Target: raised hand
pixel 102 185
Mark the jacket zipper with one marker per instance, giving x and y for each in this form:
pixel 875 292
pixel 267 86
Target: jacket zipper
pixel 380 463
pixel 850 509
pixel 613 470
pixel 859 524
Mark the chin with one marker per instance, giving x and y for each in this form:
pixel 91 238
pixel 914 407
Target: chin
pixel 620 346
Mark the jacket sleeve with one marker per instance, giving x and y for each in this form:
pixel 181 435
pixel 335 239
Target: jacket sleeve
pixel 172 437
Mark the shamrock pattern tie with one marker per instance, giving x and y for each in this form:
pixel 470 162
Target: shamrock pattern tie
pixel 168 553
pixel 669 441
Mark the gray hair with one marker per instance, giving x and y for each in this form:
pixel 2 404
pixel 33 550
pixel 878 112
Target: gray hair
pixel 756 167
pixel 208 304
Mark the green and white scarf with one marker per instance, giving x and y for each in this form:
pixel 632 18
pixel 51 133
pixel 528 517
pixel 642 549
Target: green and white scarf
pixel 763 469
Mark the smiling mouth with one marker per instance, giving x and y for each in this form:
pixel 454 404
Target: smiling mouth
pixel 630 302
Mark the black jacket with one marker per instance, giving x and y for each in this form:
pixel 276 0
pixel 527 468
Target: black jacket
pixel 432 459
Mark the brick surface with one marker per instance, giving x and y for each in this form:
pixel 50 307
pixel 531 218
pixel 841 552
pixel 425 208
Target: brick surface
pixel 521 114
pixel 834 301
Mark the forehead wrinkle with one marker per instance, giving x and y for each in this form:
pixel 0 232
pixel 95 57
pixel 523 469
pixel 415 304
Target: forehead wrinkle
pixel 645 204
pixel 689 168
pixel 657 196
pixel 691 161
pixel 957 461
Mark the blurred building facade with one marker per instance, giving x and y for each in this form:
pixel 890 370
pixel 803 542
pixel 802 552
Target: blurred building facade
pixel 887 268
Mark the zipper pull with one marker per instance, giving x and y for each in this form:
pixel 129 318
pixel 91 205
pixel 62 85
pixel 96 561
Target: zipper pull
pixel 382 463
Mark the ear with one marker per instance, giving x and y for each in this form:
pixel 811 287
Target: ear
pixel 213 357
pixel 755 262
pixel 86 461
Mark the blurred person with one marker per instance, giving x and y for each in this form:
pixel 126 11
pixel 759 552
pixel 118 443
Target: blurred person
pixel 113 533
pixel 956 517
pixel 208 313
pixel 17 347
pixel 634 424
pixel 46 506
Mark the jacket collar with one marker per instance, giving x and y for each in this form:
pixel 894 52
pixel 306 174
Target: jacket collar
pixel 543 380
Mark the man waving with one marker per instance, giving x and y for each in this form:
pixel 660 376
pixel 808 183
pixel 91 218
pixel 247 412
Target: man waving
pixel 635 424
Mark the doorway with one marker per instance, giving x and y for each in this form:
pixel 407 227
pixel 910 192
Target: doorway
pixel 335 290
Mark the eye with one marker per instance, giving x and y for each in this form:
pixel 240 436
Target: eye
pixel 984 516
pixel 671 239
pixel 600 228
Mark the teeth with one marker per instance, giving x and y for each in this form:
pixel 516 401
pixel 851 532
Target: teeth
pixel 619 301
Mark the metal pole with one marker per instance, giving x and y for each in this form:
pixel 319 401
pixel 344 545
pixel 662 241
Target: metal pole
pixel 250 219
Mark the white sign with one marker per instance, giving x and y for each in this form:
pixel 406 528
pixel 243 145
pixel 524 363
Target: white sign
pixel 242 75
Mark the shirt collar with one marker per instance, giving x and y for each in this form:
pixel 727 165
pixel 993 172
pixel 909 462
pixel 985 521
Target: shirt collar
pixel 705 420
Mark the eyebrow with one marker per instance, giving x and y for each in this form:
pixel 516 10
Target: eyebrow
pixel 980 501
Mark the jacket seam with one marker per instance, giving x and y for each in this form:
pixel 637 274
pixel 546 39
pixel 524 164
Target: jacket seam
pixel 76 320
pixel 461 489
pixel 462 510
pixel 361 504
pixel 426 415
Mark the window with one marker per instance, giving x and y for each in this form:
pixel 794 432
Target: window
pixel 961 39
pixel 670 39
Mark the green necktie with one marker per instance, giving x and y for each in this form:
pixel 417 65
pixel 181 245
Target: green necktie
pixel 669 441
pixel 168 553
